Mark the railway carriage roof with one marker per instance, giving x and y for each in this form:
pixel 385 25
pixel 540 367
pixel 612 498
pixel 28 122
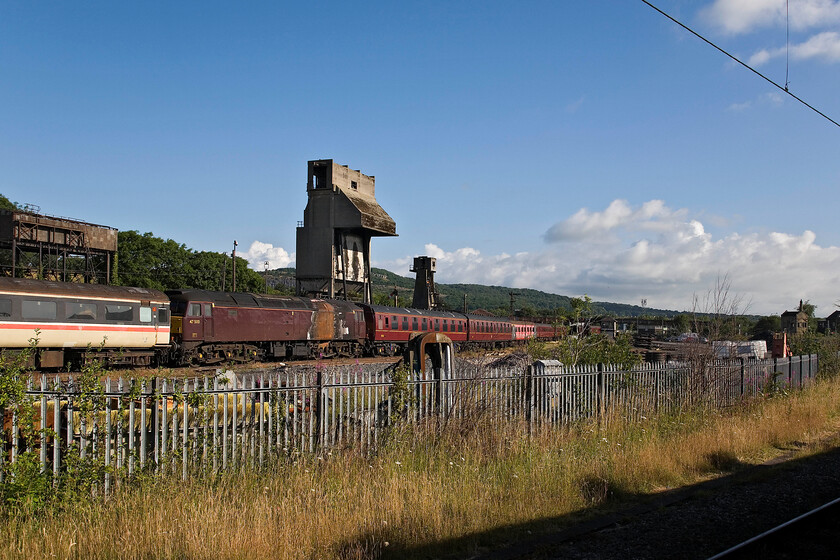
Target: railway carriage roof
pixel 386 310
pixel 75 290
pixel 488 318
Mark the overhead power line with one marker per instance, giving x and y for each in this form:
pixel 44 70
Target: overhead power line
pixel 744 64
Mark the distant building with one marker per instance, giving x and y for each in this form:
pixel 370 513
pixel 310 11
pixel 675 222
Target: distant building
pixel 795 322
pixel 830 324
pixel 609 326
pixel 656 328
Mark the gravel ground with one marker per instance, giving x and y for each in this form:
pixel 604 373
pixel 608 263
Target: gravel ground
pixel 699 521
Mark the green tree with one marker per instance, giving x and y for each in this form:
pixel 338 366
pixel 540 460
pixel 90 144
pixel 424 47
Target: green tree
pixel 764 328
pixel 147 261
pixel 6 204
pixel 681 323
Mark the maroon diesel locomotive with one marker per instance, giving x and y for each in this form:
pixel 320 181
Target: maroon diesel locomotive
pixel 214 327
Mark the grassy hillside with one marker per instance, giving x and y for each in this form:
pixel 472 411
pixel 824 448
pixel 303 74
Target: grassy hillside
pixel 495 299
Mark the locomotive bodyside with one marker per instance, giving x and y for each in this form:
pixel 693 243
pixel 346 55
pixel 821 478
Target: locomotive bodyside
pixel 211 327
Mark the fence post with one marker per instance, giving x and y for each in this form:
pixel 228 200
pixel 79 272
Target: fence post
pixel 790 372
pixel 529 397
pixel 600 393
pixel 319 408
pixel 742 376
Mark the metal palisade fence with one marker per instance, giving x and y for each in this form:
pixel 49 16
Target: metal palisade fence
pixel 231 421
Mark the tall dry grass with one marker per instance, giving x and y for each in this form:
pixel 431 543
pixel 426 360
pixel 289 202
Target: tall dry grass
pixel 426 486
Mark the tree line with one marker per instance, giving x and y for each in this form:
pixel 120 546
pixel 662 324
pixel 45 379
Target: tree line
pixel 147 261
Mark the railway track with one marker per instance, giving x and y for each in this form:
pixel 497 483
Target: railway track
pixel 702 520
pixel 249 367
pixel 810 535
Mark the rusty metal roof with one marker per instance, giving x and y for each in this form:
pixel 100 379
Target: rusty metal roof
pixel 371 215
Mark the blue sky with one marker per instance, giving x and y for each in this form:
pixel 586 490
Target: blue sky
pixel 588 147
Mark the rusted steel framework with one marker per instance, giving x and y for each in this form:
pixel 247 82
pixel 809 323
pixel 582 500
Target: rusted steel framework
pixel 33 245
pixel 333 244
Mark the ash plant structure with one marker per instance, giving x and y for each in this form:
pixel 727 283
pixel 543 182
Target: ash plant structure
pixel 333 243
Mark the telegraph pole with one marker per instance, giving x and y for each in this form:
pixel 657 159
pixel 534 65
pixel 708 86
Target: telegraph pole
pixel 512 302
pixel 233 258
pixel 265 276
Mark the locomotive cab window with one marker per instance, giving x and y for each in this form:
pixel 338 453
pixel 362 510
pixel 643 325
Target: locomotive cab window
pixel 163 315
pixel 208 309
pixel 5 308
pixel 145 314
pixel 195 310
pixel 36 309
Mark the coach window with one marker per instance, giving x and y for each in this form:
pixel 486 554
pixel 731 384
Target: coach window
pixel 437 324
pixel 405 323
pixel 81 311
pixel 195 310
pixel 425 325
pixel 145 314
pixel 414 323
pixel 5 308
pixel 379 322
pixel 34 309
pixel 445 325
pixel 394 322
pixel 114 312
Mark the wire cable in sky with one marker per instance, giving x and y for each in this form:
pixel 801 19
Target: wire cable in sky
pixel 744 64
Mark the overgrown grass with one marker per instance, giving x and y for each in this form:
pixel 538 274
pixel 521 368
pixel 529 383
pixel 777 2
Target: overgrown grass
pixel 425 487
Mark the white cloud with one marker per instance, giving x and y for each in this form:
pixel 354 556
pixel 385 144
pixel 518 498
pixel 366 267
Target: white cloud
pixel 824 46
pixel 259 253
pixel 594 225
pixel 737 107
pixel 743 16
pixel 626 253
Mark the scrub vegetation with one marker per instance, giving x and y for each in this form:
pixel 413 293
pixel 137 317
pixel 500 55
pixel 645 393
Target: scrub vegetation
pixel 432 489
